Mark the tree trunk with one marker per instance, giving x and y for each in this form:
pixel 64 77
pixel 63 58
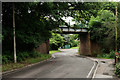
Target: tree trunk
pixel 15 60
pixel 116 30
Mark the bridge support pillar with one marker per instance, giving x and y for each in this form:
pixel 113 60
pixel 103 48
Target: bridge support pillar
pixel 85 45
pixel 43 48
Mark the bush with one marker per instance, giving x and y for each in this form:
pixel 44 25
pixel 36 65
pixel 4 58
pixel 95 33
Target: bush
pixel 104 55
pixel 21 56
pixel 7 57
pixel 4 59
pixel 117 69
pixel 10 66
pixel 24 55
pixel 71 40
pixel 74 43
pixel 34 54
pixel 102 29
pixel 112 54
pixel 56 41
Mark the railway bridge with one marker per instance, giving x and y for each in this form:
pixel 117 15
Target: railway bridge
pixel 85 43
pixel 87 47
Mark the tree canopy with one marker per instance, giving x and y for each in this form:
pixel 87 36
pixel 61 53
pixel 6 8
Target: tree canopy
pixel 35 20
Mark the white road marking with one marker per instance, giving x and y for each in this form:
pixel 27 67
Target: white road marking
pixel 91 70
pixel 95 70
pixel 53 56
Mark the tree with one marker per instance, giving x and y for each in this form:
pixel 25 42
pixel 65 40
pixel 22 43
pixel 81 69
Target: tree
pixel 102 29
pixel 15 60
pixel 72 40
pixel 116 31
pixel 56 41
pixel 35 21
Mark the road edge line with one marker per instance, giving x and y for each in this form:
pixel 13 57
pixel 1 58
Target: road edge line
pixel 94 73
pixel 91 70
pixel 95 70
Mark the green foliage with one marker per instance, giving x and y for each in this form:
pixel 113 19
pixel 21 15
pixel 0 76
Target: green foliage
pixel 56 41
pixel 103 25
pixel 35 21
pixel 117 69
pixel 75 47
pixel 21 56
pixel 7 57
pixel 31 28
pixel 111 55
pixel 54 51
pixel 10 65
pixel 74 43
pixel 103 16
pixel 73 40
pixel 102 29
pixel 95 21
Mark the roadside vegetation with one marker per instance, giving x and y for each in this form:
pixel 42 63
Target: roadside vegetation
pixel 61 41
pixel 102 27
pixel 105 28
pixel 23 60
pixel 75 47
pixel 117 69
pixel 54 51
pixel 35 21
pixel 56 41
pixel 110 55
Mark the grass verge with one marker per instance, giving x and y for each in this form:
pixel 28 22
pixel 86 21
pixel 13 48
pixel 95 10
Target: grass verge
pixel 54 51
pixel 11 66
pixel 74 47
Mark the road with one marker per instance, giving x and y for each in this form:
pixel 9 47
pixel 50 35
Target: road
pixel 64 65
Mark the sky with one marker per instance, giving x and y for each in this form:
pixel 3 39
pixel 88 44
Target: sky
pixel 115 0
pixel 69 19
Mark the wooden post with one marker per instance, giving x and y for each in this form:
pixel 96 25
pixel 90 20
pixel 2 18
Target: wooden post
pixel 15 60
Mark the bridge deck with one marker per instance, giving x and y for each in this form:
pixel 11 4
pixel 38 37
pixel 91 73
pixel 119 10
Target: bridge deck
pixel 69 30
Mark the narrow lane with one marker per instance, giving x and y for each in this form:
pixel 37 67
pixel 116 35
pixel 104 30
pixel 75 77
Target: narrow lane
pixel 64 65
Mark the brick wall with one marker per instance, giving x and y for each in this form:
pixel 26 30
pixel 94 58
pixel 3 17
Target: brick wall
pixel 85 45
pixel 43 48
pixel 95 48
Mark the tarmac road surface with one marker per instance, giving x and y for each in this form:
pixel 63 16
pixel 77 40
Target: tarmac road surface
pixel 64 65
